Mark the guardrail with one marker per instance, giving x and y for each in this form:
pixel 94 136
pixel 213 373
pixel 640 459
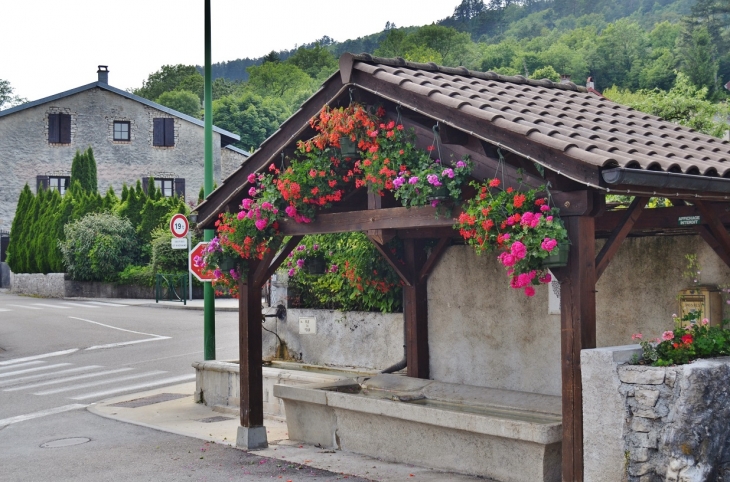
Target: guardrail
pixel 171 287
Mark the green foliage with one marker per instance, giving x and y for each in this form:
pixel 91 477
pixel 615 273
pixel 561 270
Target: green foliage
pixel 182 101
pixel 251 116
pixel 546 73
pixel 7 97
pixel 83 170
pixel 357 277
pixel 697 57
pixel 684 104
pixel 18 249
pixel 137 275
pixel 164 258
pixel 278 79
pixel 167 79
pixel 98 247
pixel 317 62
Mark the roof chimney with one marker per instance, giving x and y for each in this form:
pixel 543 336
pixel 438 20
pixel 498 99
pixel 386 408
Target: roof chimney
pixel 103 74
pixel 564 78
pixel 590 84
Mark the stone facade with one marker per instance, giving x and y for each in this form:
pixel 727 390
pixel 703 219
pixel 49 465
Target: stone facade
pixel 483 333
pixel 652 424
pixel 26 153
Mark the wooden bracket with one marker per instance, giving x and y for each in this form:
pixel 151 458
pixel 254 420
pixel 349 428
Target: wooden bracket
pixel 432 260
pixel 619 234
pixel 272 266
pixel 394 262
pixel 707 235
pixel 715 225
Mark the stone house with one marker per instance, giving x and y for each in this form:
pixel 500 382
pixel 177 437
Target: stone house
pixel 133 139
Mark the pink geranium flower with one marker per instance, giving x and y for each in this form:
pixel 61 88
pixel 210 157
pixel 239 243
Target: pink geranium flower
pixel 518 250
pixel 529 291
pixel 668 335
pixel 261 224
pixel 507 259
pixel 246 204
pixel 548 244
pixel 251 178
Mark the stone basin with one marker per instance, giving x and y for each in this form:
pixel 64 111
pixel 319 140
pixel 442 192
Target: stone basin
pixel 501 434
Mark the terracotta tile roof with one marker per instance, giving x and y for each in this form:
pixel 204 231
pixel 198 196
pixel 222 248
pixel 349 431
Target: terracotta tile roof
pixel 563 117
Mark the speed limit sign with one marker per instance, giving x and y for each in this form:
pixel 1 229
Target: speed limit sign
pixel 179 225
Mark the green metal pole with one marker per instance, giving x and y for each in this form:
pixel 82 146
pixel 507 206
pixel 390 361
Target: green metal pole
pixel 208 294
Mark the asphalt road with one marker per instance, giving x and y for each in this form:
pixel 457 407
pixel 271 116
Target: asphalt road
pixel 59 356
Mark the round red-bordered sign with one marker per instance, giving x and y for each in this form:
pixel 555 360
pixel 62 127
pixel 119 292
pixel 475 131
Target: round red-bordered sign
pixel 179 226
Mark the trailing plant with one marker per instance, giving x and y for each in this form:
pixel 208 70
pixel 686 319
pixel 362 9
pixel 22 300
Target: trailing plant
pixel 519 224
pixel 691 339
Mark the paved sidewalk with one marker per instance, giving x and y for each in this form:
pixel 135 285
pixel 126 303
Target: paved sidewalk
pixel 183 416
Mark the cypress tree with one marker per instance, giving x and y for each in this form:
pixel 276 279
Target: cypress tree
pixel 29 236
pixel 92 181
pixel 110 200
pixel 201 195
pixel 125 192
pixel 17 256
pixel 78 165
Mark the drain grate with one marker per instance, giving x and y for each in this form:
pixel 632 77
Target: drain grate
pixel 143 402
pixel 218 418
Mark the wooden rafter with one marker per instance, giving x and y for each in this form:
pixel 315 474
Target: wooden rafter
pixel 394 262
pixel 619 234
pixel 281 256
pixel 660 218
pixel 262 267
pixel 714 223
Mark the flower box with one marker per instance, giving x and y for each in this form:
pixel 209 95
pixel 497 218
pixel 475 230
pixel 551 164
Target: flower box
pixel 558 258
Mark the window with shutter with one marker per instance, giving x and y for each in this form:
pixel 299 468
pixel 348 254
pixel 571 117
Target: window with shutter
pixel 64 122
pixel 163 132
pixel 179 184
pixel 41 182
pixel 54 129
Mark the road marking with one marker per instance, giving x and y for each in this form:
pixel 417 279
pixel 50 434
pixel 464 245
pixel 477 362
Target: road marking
pixel 28 370
pixel 52 306
pixel 101 382
pixel 114 345
pixel 26 364
pixel 42 413
pixel 26 307
pixel 79 305
pixel 117 328
pixel 164 381
pixel 67 379
pixel 38 357
pixel 4 310
pixel 105 304
pixel 5 383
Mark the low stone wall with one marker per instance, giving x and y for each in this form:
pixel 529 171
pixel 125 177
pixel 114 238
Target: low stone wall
pixel 54 285
pixel 646 424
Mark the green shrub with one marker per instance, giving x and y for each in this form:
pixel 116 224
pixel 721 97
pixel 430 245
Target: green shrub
pixel 137 275
pixel 164 258
pixel 98 247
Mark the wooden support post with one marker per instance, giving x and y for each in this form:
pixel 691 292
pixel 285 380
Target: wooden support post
pixel 578 331
pixel 415 311
pixel 619 234
pixel 252 433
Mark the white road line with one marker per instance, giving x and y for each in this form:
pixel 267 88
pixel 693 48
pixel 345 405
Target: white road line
pixel 78 305
pixel 115 328
pixel 105 304
pixel 4 310
pixel 52 306
pixel 28 370
pixel 42 413
pixel 26 307
pixel 101 382
pixel 26 364
pixel 164 381
pixel 114 345
pixel 67 379
pixel 38 357
pixel 13 381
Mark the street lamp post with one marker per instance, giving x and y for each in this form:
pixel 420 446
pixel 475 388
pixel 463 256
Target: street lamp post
pixel 208 294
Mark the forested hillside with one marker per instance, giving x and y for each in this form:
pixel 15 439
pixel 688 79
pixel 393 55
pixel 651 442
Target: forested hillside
pixel 667 57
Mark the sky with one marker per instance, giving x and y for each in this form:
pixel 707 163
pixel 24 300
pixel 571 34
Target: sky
pixel 48 46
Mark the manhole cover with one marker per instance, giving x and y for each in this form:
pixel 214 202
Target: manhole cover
pixel 65 442
pixel 143 402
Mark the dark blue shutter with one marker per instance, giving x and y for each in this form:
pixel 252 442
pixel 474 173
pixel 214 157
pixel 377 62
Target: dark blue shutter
pixel 41 182
pixel 53 128
pixel 179 186
pixel 145 183
pixel 64 136
pixel 169 132
pixel 158 132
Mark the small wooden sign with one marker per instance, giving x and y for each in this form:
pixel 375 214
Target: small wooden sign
pixel 689 220
pixel 308 326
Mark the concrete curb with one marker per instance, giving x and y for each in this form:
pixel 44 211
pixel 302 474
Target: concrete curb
pixel 180 306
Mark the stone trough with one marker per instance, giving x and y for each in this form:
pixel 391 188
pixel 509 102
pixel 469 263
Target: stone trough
pixel 506 435
pixel 217 383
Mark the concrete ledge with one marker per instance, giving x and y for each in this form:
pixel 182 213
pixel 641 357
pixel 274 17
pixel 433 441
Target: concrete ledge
pixel 252 438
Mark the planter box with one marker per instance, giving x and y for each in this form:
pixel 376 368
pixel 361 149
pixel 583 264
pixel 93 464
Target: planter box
pixel 501 434
pixel 643 423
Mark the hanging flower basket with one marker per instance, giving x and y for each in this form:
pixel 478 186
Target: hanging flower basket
pixel 439 194
pixel 558 258
pixel 227 263
pixel 348 148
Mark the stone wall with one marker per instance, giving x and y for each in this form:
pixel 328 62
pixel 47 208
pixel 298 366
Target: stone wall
pixel 26 153
pixel 651 424
pixel 49 285
pixel 483 333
